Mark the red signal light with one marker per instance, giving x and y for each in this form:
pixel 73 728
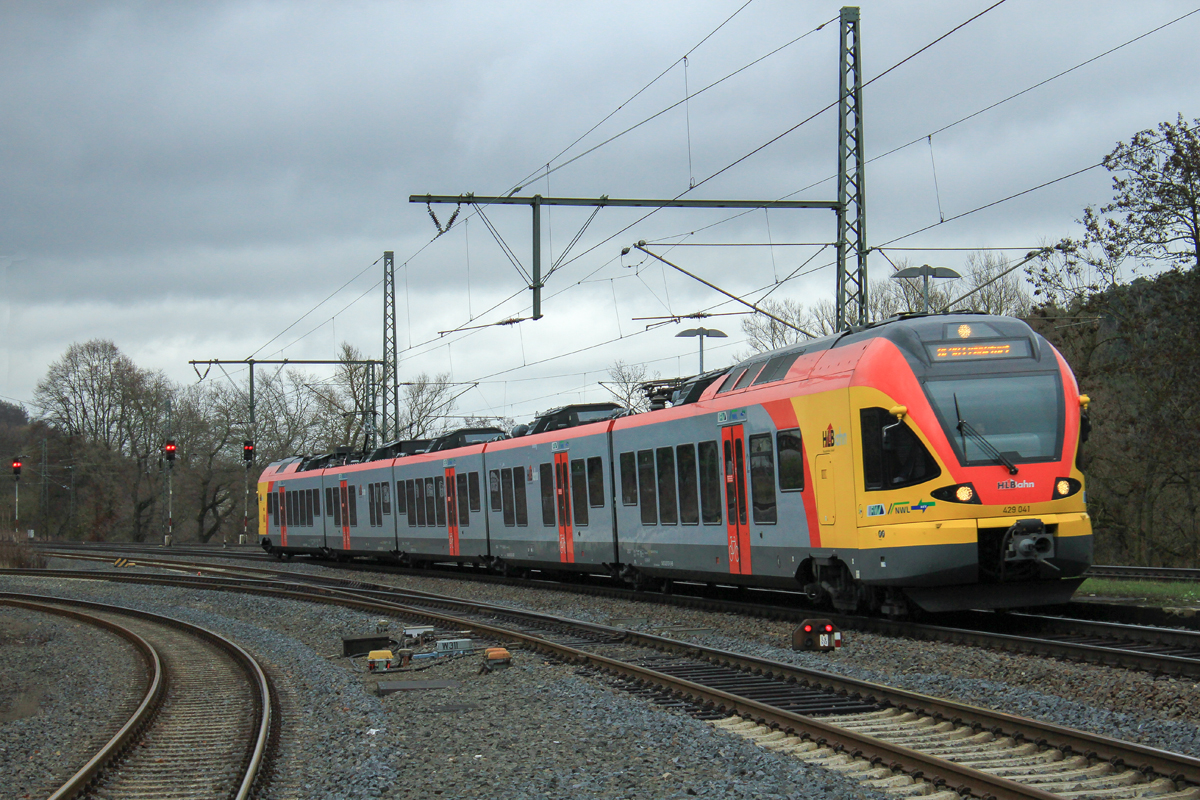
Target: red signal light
pixel 808 628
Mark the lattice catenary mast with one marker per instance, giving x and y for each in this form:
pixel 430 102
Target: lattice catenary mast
pixel 852 192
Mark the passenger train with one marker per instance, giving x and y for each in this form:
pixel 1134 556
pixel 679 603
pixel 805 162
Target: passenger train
pixel 928 461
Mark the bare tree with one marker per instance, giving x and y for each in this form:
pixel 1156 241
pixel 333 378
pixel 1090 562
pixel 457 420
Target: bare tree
pixel 994 292
pixel 625 382
pixel 84 392
pixel 344 404
pixel 208 421
pixel 287 415
pixel 426 403
pixel 505 424
pixel 763 333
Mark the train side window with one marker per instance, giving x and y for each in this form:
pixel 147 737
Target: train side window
pixel 762 479
pixel 647 494
pixel 377 505
pixel 749 375
pixel 522 499
pixel 791 460
pixel 595 470
pixel 685 460
pixel 337 507
pixel 353 507
pixel 316 503
pixel 629 480
pixel 329 501
pixel 386 486
pixel 410 499
pixel 271 509
pixel 494 485
pixel 473 490
pixel 893 456
pixel 289 507
pixel 734 378
pixel 710 483
pixel 579 490
pixel 506 491
pixel 668 507
pixel 546 478
pixel 439 500
pixel 310 497
pixel 371 504
pixel 419 486
pixel 464 514
pixel 401 508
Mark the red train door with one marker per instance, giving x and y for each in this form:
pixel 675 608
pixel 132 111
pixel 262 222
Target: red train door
pixel 562 496
pixel 451 511
pixel 282 517
pixel 733 447
pixel 345 501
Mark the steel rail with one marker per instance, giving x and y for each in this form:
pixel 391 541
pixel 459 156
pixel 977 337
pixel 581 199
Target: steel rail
pixel 1150 573
pixel 1113 656
pixel 151 702
pixel 1175 766
pixel 147 709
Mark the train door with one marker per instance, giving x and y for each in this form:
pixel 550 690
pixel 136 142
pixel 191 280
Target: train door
pixel 344 499
pixel 562 497
pixel 452 501
pixel 734 451
pixel 282 517
pixel 826 496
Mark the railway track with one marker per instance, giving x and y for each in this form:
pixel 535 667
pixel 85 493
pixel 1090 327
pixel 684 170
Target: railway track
pixel 202 727
pixel 1143 573
pixel 890 738
pixel 1155 649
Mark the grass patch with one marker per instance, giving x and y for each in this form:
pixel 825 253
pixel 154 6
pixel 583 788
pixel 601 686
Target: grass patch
pixel 18 555
pixel 1182 593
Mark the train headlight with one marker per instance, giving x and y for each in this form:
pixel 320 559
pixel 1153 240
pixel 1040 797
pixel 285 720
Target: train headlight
pixel 964 331
pixel 1065 487
pixel 959 493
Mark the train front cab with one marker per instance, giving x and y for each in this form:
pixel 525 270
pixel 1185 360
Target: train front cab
pixel 290 508
pixel 937 513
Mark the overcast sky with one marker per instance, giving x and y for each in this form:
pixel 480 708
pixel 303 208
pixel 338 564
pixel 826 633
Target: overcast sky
pixel 190 180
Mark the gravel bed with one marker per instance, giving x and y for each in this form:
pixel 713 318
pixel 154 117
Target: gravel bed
pixel 1160 712
pixel 65 688
pixel 538 729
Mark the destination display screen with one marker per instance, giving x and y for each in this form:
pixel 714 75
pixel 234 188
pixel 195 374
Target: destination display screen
pixel 978 349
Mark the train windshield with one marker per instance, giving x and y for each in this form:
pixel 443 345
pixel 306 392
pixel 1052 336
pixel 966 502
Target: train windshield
pixel 1020 415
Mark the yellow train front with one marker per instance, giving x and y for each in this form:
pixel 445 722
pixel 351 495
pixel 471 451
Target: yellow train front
pixel 946 473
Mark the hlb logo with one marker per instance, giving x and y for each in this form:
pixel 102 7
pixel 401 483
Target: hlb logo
pixel 831 438
pixel 1011 484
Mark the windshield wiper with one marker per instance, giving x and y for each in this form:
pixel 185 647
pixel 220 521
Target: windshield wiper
pixel 964 428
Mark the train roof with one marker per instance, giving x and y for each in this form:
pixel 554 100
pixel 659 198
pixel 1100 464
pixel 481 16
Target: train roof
pixel 913 334
pixel 908 331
